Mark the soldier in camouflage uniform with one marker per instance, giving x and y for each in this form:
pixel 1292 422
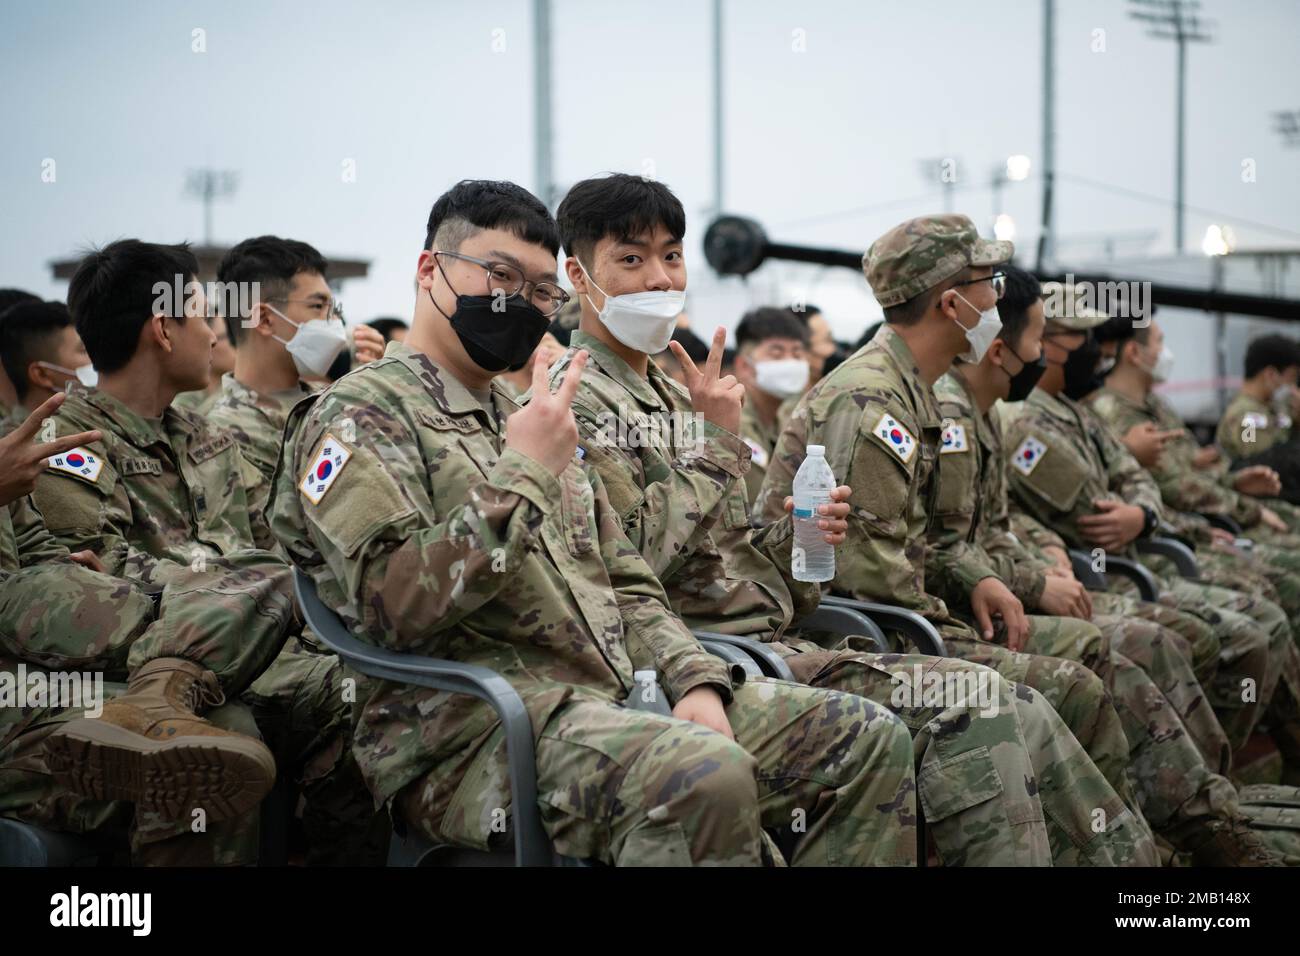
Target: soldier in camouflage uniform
pixel 1071 474
pixel 293 329
pixel 1185 798
pixel 438 519
pixel 158 497
pixel 1259 416
pixel 878 418
pixel 59 618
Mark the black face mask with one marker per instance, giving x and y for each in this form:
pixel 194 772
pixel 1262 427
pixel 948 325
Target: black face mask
pixel 1081 376
pixel 1023 382
pixel 496 338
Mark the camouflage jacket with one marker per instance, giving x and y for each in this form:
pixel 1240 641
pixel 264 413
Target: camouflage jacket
pixel 972 495
pixel 396 493
pixel 1249 426
pixel 761 439
pixel 255 419
pixel 1062 458
pixel 1182 484
pixel 198 402
pixel 680 496
pixel 881 425
pixel 153 496
pixel 24 539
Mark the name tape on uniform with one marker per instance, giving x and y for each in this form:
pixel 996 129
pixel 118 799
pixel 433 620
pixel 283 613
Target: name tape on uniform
pixel 1028 455
pixel 895 437
pixel 78 462
pixel 324 469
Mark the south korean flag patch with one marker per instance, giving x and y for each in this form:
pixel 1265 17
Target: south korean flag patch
pixel 1028 455
pixel 78 462
pixel 954 439
pixel 324 469
pixel 757 453
pixel 896 438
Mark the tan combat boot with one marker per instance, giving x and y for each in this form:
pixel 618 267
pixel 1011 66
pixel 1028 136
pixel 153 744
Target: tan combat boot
pixel 149 747
pixel 1219 841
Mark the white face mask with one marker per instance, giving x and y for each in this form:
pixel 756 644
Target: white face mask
pixel 640 320
pixel 85 374
pixel 1164 366
pixel 781 377
pixel 315 345
pixel 982 336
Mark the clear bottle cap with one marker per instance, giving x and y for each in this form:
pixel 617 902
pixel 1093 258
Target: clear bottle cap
pixel 818 451
pixel 644 677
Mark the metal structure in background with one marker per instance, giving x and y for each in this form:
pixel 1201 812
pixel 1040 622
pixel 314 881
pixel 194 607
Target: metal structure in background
pixel 719 139
pixel 1176 20
pixel 736 246
pixel 1047 232
pixel 210 185
pixel 543 175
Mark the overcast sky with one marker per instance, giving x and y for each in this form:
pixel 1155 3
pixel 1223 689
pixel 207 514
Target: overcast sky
pixel 830 104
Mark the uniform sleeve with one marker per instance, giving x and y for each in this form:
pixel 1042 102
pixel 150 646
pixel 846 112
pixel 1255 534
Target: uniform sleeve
pixel 655 635
pixel 1129 481
pixel 775 541
pixel 35 543
pixel 408 574
pixel 670 511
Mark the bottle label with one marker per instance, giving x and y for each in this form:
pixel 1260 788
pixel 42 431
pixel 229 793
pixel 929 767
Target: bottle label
pixel 803 512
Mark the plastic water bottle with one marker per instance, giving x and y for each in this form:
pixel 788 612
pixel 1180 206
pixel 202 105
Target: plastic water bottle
pixel 812 559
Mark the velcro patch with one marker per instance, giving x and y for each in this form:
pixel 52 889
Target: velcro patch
pixel 324 469
pixel 465 424
pixel 1028 455
pixel 78 462
pixel 895 437
pixel 757 453
pixel 954 439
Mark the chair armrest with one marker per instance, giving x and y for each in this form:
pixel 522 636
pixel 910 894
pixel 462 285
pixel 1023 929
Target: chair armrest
pixel 846 621
pixel 1183 558
pixel 924 636
pixel 1081 565
pixel 1222 521
pixel 532 846
pixel 729 652
pixel 1147 584
pixel 767 661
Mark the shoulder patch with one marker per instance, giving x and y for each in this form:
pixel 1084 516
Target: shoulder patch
pixel 895 437
pixel 758 454
pixel 954 439
pixel 324 469
pixel 1028 455
pixel 79 463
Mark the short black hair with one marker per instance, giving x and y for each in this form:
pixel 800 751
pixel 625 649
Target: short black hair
pixel 29 333
pixel 695 347
pixel 1271 351
pixel 617 205
pixel 478 204
pixel 11 297
pixel 112 295
pixel 768 322
pixel 803 311
pixel 1022 291
pixel 386 325
pixel 271 262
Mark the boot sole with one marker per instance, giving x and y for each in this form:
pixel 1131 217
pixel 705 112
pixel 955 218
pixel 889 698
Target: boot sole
pixel 224 776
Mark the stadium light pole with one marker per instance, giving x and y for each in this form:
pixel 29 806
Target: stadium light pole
pixel 208 185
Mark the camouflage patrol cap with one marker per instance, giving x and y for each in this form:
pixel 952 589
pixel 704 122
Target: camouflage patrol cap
pixel 919 254
pixel 1066 306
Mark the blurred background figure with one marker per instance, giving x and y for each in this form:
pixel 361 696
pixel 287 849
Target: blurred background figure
pixel 696 348
pixel 390 327
pixel 41 353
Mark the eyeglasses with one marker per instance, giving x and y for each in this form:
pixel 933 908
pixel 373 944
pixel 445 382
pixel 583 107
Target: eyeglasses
pixel 999 280
pixel 321 308
pixel 503 279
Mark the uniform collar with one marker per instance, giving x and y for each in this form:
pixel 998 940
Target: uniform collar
pixel 603 357
pixel 892 344
pixel 444 388
pixel 235 389
pixel 137 429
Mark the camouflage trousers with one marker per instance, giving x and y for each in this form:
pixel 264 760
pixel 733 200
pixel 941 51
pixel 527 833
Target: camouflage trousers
pixel 832 771
pixel 304 704
pixel 1001 780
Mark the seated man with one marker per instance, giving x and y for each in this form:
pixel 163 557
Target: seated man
pixel 438 519
pixel 293 330
pixel 683 504
pixel 1259 416
pixel 41 352
pixel 161 495
pixel 771 362
pixel 1180 784
pixel 191 796
pixel 8 299
pixel 878 418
